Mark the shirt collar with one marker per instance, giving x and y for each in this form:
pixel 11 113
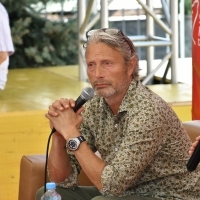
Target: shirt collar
pixel 129 97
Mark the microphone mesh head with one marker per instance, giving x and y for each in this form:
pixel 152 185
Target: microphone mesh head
pixel 87 93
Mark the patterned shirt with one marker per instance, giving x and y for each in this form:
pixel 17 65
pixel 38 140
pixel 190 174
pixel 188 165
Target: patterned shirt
pixel 145 147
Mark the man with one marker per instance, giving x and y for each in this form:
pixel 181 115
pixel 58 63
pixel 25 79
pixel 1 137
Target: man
pixel 143 146
pixel 6 46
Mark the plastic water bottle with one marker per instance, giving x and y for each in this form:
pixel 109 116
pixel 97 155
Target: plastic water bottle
pixel 51 193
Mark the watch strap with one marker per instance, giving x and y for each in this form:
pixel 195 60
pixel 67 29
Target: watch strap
pixel 81 138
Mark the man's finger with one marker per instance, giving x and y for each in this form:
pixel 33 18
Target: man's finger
pixel 57 105
pixel 64 102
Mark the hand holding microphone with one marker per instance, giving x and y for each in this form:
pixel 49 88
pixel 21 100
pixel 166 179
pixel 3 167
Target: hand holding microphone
pixel 86 94
pixel 195 158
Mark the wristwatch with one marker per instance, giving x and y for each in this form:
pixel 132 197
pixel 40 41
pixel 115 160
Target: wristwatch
pixel 73 143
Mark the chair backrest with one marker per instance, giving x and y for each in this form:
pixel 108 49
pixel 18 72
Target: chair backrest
pixel 192 128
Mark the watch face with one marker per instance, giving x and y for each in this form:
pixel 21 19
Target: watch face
pixel 72 144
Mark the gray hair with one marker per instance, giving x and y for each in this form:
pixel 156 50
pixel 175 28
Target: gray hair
pixel 117 40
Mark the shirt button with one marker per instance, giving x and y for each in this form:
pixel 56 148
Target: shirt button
pixel 116 125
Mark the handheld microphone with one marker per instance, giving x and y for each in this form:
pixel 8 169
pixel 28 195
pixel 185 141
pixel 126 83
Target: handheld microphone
pixel 194 159
pixel 86 94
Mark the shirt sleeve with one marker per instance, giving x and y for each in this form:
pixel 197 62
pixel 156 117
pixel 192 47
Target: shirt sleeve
pixel 6 43
pixel 136 151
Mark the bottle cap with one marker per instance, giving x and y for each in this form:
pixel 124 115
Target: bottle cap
pixel 50 185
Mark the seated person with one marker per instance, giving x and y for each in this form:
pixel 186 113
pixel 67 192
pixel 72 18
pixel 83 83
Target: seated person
pixel 142 143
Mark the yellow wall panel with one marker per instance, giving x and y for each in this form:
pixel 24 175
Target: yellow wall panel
pixel 20 134
pixel 183 112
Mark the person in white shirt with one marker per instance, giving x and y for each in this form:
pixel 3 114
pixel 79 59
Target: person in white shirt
pixel 6 45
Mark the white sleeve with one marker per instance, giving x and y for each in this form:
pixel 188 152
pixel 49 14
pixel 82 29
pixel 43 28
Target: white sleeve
pixel 6 43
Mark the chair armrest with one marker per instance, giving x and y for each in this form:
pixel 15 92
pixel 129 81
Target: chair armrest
pixel 192 128
pixel 31 176
pixel 32 168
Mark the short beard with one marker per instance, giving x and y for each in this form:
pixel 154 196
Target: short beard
pixel 112 91
pixel 106 93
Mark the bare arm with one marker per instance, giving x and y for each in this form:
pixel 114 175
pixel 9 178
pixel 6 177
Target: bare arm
pixel 91 164
pixel 3 56
pixel 58 162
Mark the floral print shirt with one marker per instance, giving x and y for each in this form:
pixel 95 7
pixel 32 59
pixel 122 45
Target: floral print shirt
pixel 145 147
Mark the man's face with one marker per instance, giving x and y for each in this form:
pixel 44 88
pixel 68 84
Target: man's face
pixel 107 71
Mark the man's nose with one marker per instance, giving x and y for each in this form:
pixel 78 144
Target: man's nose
pixel 99 73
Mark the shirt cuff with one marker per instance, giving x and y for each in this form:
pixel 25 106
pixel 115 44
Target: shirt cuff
pixel 106 180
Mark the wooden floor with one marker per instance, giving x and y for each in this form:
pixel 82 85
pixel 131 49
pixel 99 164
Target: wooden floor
pixel 25 130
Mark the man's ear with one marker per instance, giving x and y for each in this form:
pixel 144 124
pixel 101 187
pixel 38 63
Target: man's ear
pixel 132 64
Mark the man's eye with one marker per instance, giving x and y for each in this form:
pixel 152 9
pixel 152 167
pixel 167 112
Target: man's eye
pixel 107 63
pixel 90 65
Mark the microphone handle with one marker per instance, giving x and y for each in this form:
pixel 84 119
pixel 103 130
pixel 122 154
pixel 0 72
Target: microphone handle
pixel 194 159
pixel 78 103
